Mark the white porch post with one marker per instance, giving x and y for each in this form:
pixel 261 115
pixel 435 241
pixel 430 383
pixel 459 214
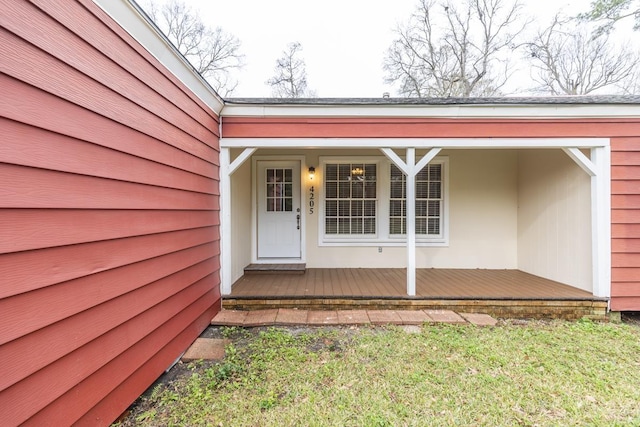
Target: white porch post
pixel 598 168
pixel 601 221
pixel 227 168
pixel 225 221
pixel 411 169
pixel 411 221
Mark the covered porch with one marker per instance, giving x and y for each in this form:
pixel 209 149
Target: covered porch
pixel 500 293
pixel 524 227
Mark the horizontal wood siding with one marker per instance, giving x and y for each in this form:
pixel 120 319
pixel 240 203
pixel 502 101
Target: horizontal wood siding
pixel 374 127
pixel 109 225
pixel 625 223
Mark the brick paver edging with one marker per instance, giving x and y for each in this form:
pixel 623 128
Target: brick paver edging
pixel 293 317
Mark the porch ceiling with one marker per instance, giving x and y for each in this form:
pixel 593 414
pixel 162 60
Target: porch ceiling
pixel 391 283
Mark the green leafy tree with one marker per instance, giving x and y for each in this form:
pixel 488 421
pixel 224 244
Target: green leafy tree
pixel 609 12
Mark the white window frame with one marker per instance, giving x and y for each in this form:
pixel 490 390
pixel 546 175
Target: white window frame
pixel 426 238
pixel 342 239
pixel 382 237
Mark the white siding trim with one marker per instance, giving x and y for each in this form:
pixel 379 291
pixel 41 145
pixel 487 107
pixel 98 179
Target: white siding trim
pixel 225 222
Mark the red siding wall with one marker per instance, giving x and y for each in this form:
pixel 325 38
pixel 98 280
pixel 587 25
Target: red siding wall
pixel 625 224
pixel 399 127
pixel 625 165
pixel 109 240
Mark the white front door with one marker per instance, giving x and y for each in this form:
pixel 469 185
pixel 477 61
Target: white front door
pixel 279 216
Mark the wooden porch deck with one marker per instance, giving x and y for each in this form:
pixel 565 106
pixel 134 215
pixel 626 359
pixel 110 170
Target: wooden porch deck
pixel 501 293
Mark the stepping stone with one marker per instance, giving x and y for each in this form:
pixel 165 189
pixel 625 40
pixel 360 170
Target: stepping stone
pixel 444 316
pixel 384 317
pixel 353 317
pixel 411 329
pixel 413 317
pixel 322 317
pixel 205 349
pixel 291 316
pixel 479 319
pixel 229 318
pixel 261 317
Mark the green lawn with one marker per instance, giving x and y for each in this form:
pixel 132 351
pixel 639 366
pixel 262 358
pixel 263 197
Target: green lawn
pixel 516 374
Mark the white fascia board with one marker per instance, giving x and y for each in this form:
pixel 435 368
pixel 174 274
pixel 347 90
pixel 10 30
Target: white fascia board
pixel 496 111
pixel 134 21
pixel 306 143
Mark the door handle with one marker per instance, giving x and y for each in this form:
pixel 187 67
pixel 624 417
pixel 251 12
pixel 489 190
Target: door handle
pixel 298 220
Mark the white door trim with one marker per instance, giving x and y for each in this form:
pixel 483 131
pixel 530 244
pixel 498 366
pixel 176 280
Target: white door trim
pixel 254 210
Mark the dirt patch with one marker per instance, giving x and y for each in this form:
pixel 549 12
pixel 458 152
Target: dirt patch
pixel 333 338
pixel 631 318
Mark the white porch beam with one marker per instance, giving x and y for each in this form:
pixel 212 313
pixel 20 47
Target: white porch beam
pixel 424 161
pixel 403 143
pixel 581 160
pixel 391 155
pixel 243 157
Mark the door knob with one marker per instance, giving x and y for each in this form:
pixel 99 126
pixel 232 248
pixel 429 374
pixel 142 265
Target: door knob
pixel 298 220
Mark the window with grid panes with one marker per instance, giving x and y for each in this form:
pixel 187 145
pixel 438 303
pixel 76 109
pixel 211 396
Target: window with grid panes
pixel 350 198
pixel 429 201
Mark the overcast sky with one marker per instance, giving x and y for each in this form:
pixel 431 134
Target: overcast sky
pixel 344 41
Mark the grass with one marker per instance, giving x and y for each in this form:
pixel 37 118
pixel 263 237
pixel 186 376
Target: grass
pixel 537 374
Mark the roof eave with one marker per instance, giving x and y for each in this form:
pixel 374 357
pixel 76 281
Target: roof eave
pixel 132 18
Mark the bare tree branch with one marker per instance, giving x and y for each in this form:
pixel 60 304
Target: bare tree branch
pixel 452 48
pixel 290 78
pixel 214 53
pixel 569 60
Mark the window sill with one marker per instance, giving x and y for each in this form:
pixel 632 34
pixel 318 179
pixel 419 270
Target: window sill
pixel 385 243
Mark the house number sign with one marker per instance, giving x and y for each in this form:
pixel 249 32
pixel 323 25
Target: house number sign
pixel 312 199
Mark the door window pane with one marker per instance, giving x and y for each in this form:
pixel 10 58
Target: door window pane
pixel 279 195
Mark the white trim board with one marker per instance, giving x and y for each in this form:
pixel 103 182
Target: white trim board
pixel 469 143
pixel 531 111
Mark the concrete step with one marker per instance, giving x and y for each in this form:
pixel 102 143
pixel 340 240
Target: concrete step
pixel 275 269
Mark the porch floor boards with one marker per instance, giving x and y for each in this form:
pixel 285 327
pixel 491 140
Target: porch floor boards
pixel 499 293
pixel 391 282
